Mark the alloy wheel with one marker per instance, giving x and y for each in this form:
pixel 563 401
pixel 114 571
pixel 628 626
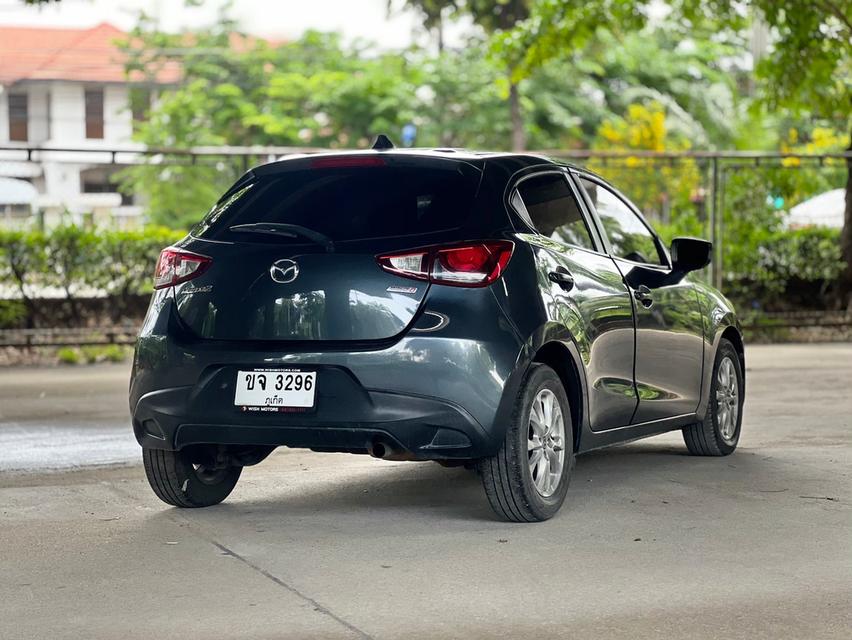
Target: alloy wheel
pixel 727 400
pixel 546 442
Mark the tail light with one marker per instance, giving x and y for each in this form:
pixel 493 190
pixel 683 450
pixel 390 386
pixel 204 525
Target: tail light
pixel 475 264
pixel 346 162
pixel 176 265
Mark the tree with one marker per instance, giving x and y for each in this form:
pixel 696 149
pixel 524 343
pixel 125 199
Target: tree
pixel 661 191
pixel 237 90
pixel 569 97
pixel 809 69
pixel 497 17
pixel 433 13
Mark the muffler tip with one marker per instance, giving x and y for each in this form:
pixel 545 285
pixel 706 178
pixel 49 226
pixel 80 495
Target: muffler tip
pixel 378 449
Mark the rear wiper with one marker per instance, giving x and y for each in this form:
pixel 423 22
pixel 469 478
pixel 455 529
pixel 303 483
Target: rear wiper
pixel 284 229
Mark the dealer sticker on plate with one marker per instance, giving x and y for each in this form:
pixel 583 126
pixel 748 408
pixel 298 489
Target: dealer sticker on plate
pixel 275 390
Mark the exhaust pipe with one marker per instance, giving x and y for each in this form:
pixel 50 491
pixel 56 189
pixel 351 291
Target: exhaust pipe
pixel 386 451
pixel 377 449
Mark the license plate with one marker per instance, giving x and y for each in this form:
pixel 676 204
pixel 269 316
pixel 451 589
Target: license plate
pixel 275 390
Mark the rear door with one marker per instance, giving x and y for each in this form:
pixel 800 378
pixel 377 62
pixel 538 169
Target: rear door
pixel 669 322
pixel 294 247
pixel 582 290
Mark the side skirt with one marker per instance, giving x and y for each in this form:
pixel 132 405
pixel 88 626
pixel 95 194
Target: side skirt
pixel 591 440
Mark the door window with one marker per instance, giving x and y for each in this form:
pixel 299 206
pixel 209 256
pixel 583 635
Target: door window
pixel 629 236
pixel 549 204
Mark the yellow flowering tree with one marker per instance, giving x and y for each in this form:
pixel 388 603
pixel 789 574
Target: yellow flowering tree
pixel 665 190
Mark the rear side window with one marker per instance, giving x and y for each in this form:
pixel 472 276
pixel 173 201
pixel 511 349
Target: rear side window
pixel 550 205
pixel 350 203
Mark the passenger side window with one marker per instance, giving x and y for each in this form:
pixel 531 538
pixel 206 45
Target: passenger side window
pixel 629 237
pixel 549 204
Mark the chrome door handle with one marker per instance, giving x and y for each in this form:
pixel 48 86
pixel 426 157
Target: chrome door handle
pixel 643 295
pixel 562 277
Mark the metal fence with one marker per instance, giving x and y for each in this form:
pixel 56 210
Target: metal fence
pixel 714 168
pixel 68 336
pixel 765 326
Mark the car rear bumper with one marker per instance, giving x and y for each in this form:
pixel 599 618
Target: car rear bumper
pixel 404 426
pixel 423 397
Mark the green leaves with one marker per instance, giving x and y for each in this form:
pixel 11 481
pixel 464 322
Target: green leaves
pixel 809 66
pixel 79 262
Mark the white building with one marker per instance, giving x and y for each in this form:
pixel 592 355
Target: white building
pixel 67 88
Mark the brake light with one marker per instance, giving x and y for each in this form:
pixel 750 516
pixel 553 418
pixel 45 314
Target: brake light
pixel 176 265
pixel 475 264
pixel 342 162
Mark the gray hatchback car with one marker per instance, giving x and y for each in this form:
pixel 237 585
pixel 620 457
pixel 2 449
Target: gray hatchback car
pixel 500 311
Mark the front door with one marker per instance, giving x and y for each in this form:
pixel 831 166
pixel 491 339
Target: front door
pixel 669 324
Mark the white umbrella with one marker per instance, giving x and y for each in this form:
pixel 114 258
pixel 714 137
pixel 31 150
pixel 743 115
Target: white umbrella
pixel 825 210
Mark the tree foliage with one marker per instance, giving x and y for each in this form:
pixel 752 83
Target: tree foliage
pixel 663 191
pixel 809 69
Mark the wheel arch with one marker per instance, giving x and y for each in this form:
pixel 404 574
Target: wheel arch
pixel 559 358
pixel 732 335
pixel 728 328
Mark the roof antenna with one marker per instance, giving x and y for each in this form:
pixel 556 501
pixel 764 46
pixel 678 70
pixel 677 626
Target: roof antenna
pixel 382 142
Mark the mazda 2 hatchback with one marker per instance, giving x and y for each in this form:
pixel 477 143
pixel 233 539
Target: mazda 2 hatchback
pixel 499 311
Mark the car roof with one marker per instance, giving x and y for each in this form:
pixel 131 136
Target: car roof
pixel 515 158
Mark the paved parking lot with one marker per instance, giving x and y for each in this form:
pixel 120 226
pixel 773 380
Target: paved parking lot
pixel 652 543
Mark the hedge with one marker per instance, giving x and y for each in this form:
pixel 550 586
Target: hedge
pixel 76 263
pixel 763 269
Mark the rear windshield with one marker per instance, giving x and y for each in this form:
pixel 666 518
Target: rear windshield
pixel 348 203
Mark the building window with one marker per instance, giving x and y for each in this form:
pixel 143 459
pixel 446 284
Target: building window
pixel 94 113
pixel 140 103
pixel 18 117
pixel 102 183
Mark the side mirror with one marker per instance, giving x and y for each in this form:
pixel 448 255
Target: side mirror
pixel 690 254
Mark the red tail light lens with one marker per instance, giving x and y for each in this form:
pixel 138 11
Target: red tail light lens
pixel 176 265
pixel 475 264
pixel 345 162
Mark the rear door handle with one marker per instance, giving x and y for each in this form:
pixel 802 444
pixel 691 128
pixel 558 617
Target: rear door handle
pixel 562 277
pixel 643 295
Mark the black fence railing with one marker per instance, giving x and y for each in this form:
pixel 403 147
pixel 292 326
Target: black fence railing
pixel 764 324
pixel 715 167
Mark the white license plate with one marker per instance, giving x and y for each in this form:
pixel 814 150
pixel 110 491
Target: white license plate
pixel 275 389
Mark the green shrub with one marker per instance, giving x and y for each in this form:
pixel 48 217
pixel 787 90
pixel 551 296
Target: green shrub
pixel 91 354
pixel 104 353
pixel 116 353
pixel 69 355
pixel 79 261
pixel 12 313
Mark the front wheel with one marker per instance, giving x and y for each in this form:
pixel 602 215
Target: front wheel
pixel 719 432
pixel 182 479
pixel 526 481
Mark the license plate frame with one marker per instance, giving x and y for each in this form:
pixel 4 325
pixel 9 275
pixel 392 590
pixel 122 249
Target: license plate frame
pixel 275 390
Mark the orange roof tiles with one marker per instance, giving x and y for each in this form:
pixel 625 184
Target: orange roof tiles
pixel 87 55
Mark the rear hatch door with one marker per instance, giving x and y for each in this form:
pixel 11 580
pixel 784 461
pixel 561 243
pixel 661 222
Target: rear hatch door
pixel 294 245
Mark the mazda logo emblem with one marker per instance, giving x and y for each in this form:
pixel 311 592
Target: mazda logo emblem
pixel 284 271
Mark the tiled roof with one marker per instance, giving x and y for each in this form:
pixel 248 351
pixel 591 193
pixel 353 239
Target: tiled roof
pixel 87 55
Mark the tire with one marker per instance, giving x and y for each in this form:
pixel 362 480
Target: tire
pixel 178 482
pixel 516 491
pixel 719 432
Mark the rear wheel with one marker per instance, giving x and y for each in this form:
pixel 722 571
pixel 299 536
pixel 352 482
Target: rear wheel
pixel 528 478
pixel 182 479
pixel 719 432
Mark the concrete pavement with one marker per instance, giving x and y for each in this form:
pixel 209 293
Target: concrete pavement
pixel 652 543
